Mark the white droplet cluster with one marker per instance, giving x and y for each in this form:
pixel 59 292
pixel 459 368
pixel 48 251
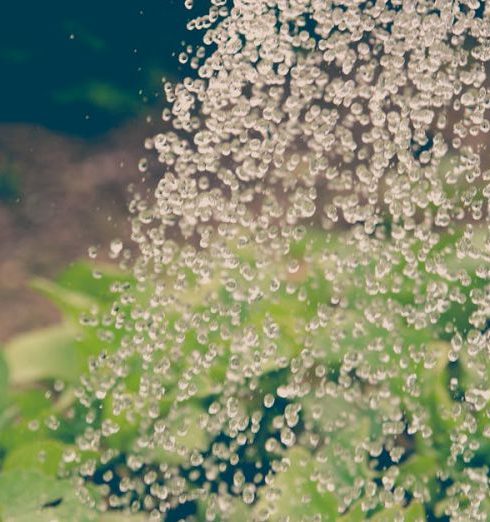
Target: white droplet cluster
pixel 312 292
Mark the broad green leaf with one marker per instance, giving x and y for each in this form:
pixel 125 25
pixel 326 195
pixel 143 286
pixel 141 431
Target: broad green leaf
pixel 70 302
pixel 30 403
pixel 70 509
pixel 420 471
pixel 419 466
pixel 414 512
pixel 295 493
pixel 128 431
pixel 118 516
pixel 436 399
pixel 29 495
pixel 227 509
pixel 354 514
pixel 344 428
pixel 183 435
pixel 42 455
pixel 79 278
pixel 27 405
pixel 47 353
pixel 4 381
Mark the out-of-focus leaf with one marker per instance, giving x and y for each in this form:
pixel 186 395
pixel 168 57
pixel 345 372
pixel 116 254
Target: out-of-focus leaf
pixel 227 509
pixel 27 405
pixel 419 467
pixel 4 378
pixel 117 516
pixel 69 302
pixel 48 353
pixel 42 455
pixel 183 435
pixel 414 512
pixel 355 514
pixel 29 495
pixel 295 494
pixel 79 278
pixel 337 455
pixel 30 403
pixel 435 396
pixel 77 290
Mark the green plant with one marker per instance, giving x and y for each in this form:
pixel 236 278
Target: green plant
pixel 329 388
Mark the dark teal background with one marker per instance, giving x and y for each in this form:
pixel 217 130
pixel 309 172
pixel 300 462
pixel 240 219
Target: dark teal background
pixel 107 72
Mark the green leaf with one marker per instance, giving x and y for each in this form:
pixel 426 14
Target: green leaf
pixel 79 278
pixel 355 514
pixel 27 405
pixel 118 516
pixel 228 508
pixel 69 302
pixel 41 455
pixel 29 495
pixel 436 399
pixel 419 466
pixel 30 403
pixel 47 353
pixel 4 381
pixel 339 451
pixel 299 497
pixel 184 434
pixel 413 513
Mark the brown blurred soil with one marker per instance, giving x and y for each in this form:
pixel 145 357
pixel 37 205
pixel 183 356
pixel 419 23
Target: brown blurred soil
pixel 71 194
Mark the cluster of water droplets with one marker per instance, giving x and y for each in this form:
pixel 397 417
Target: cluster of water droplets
pixel 312 264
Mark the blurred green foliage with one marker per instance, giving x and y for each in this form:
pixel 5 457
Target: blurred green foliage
pixel 39 426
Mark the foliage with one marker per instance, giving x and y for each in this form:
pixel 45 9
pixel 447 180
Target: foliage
pixel 40 417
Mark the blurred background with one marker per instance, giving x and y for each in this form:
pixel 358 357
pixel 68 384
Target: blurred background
pixel 81 87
